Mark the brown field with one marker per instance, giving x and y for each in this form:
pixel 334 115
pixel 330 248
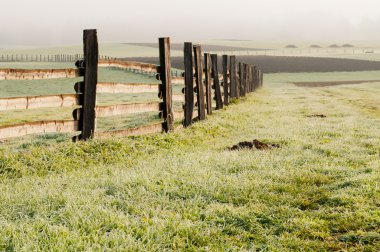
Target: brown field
pixel 206 48
pixel 281 64
pixel 331 83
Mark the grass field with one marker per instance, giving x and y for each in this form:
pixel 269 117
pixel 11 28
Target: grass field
pixel 185 191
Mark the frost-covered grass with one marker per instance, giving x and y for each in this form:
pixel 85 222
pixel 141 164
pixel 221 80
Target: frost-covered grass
pixel 185 191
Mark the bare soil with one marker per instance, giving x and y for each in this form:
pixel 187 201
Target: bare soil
pixel 255 144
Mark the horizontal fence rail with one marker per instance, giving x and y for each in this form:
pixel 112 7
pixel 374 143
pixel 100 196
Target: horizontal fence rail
pixel 129 65
pixel 127 88
pixel 205 89
pixel 43 101
pixel 38 74
pixel 23 129
pixel 125 109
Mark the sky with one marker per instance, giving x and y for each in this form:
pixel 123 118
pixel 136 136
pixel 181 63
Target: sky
pixel 52 22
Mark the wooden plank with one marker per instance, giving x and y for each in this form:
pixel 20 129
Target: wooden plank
pixel 226 83
pixel 189 84
pixel 143 130
pixel 179 97
pixel 199 82
pixel 241 78
pixel 207 59
pixel 91 55
pixel 261 78
pixel 215 75
pixel 129 65
pixel 165 75
pixel 126 88
pixel 233 79
pixel 23 129
pixel 244 81
pixel 38 74
pixel 255 79
pixel 125 109
pixel 178 80
pixel 44 101
pixel 249 79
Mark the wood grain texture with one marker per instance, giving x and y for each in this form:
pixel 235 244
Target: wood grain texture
pixel 129 65
pixel 38 74
pixel 215 76
pixel 126 88
pixel 233 78
pixel 199 82
pixel 23 129
pixel 44 101
pixel 91 55
pixel 189 84
pixel 207 73
pixel 226 83
pixel 166 87
pixel 125 109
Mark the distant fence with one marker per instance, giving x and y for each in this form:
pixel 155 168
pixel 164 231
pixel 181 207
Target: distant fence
pixel 46 58
pixel 203 85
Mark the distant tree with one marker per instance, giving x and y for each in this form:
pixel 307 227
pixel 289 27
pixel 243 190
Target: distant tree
pixel 348 46
pixel 315 46
pixel 291 46
pixel 334 46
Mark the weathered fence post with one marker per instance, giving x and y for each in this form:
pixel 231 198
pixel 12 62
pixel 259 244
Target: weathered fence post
pixel 207 60
pixel 233 79
pixel 255 78
pixel 199 82
pixel 215 76
pixel 225 80
pixel 166 87
pixel 189 84
pixel 89 66
pixel 261 78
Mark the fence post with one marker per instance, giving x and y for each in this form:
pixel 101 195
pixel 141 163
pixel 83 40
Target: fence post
pixel 199 82
pixel 233 78
pixel 90 65
pixel 225 79
pixel 207 60
pixel 241 78
pixel 215 76
pixel 189 84
pixel 261 78
pixel 166 86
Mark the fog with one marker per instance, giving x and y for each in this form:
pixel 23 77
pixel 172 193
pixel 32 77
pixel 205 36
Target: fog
pixel 51 22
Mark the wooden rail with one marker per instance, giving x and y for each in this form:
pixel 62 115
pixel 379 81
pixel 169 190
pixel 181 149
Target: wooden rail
pixel 23 129
pixel 129 65
pixel 204 87
pixel 125 109
pixel 38 74
pixel 127 88
pixel 43 101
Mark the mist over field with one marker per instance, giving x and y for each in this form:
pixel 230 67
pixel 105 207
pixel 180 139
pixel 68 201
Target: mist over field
pixel 44 22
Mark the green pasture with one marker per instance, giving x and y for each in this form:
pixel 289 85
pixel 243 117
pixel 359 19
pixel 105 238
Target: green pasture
pixel 185 191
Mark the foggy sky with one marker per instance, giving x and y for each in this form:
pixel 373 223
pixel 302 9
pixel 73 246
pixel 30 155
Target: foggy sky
pixel 51 22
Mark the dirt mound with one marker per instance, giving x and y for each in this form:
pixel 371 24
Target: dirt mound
pixel 254 144
pixel 317 115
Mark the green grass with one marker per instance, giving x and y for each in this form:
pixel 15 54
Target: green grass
pixel 186 191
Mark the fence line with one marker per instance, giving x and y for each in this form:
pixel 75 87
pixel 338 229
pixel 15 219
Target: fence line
pixel 205 89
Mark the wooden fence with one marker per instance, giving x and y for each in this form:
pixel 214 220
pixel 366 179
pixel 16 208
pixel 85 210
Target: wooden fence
pixel 203 87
